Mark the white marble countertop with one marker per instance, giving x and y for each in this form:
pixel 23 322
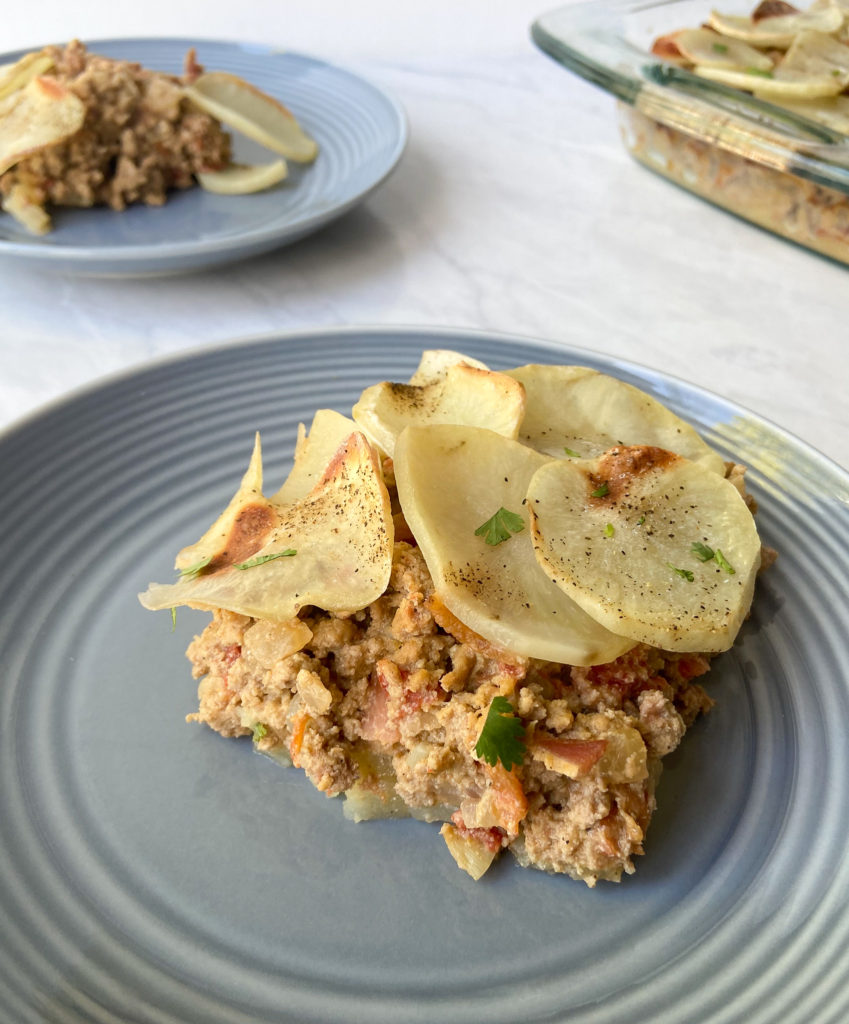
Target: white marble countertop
pixel 515 208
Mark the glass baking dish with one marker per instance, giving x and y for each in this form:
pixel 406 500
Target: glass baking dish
pixel 772 167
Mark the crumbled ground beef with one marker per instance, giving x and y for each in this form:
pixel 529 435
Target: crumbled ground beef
pixel 387 703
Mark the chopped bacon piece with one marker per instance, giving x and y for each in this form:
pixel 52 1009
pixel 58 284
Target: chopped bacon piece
pixel 581 754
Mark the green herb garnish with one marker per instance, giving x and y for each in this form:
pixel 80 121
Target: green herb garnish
pixel 601 490
pixel 723 563
pixel 707 554
pixel 502 737
pixel 702 552
pixel 758 73
pixel 499 528
pixel 609 530
pixel 641 520
pixel 685 574
pixel 262 559
pixel 193 571
pixel 720 48
pixel 571 453
pixel 259 731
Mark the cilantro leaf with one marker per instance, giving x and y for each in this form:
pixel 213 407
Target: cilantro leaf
pixel 193 571
pixel 702 551
pixel 723 563
pixel 571 453
pixel 685 574
pixel 262 559
pixel 609 530
pixel 707 554
pixel 600 491
pixel 502 737
pixel 499 528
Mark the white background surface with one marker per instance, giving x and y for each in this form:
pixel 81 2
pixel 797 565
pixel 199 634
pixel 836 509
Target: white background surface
pixel 514 209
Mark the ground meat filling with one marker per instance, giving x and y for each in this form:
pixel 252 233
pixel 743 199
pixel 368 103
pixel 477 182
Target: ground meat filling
pixel 386 705
pixel 141 137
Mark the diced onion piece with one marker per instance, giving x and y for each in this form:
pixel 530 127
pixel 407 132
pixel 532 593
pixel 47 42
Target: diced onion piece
pixel 268 642
pixel 471 854
pixel 253 113
pixel 243 179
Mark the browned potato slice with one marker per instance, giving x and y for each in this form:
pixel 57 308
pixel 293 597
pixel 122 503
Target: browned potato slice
pixel 573 410
pixel 15 76
pixel 778 31
pixel 253 113
pixel 464 395
pixel 331 548
pixel 313 452
pixel 40 114
pixel 434 364
pixel 451 481
pixel 651 545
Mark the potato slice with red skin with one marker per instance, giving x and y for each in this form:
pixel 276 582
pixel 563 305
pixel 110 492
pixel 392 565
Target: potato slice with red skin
pixel 577 410
pixel 451 479
pixel 465 395
pixel 617 534
pixel 341 533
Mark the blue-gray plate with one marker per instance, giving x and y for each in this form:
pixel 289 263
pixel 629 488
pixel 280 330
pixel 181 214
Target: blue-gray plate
pixel 361 132
pixel 151 871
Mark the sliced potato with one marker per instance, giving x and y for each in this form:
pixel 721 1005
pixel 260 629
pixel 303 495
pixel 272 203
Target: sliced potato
pixel 617 534
pixel 332 548
pixel 707 48
pixel 816 52
pixel 434 364
pixel 313 452
pixel 832 112
pixel 587 412
pixel 253 113
pixel 243 179
pixel 464 395
pixel 19 74
pixel 451 480
pixel 779 31
pixel 781 84
pixel 40 114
